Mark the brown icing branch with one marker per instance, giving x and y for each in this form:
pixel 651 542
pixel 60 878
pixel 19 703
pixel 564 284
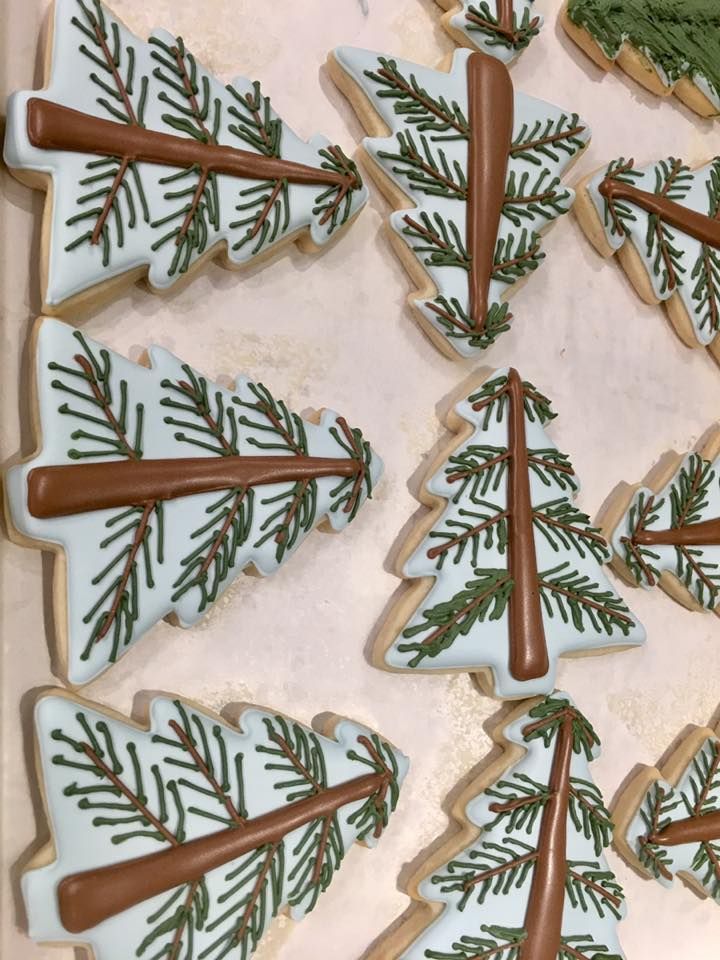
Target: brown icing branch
pixel 558 467
pixel 530 254
pixel 709 779
pixel 138 540
pixel 68 489
pixel 267 208
pixel 104 404
pixel 112 66
pixel 436 552
pixel 109 200
pixel 206 772
pixel 505 22
pixel 485 465
pixel 701 227
pixel 496 871
pixel 570 528
pixel 543 920
pixel 350 182
pixel 491 107
pixel 413 93
pixel 187 907
pixel 52 126
pixel 465 611
pixel 598 888
pixel 585 601
pixel 526 145
pixel 220 535
pixel 207 138
pixel 447 316
pixel 132 120
pixel 135 801
pixel 528 647
pixel 190 93
pixel 87 899
pixel 644 842
pixel 255 894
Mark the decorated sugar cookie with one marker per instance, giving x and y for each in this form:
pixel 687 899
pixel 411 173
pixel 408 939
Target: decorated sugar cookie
pixel 663 222
pixel 666 531
pixel 527 879
pixel 482 166
pixel 151 164
pixel 668 820
pixel 185 839
pixel 502 28
pixel 507 573
pixel 158 487
pixel 668 46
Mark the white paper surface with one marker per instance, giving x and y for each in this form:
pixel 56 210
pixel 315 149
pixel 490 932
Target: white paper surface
pixel 335 331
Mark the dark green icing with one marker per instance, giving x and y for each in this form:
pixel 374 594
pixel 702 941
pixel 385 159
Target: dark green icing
pixel 682 37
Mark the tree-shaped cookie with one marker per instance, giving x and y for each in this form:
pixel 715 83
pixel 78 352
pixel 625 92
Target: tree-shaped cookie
pixel 667 820
pixel 159 487
pixel 668 46
pixel 666 530
pixel 507 572
pixel 502 28
pixel 663 222
pixel 534 884
pixel 482 166
pixel 151 163
pixel 185 839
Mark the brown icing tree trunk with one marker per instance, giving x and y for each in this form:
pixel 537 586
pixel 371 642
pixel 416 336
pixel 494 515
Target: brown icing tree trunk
pixel 86 899
pixel 52 126
pixel 505 16
pixel 491 103
pixel 543 920
pixel 697 225
pixel 698 829
pixel 65 490
pixel 528 647
pixel 704 534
